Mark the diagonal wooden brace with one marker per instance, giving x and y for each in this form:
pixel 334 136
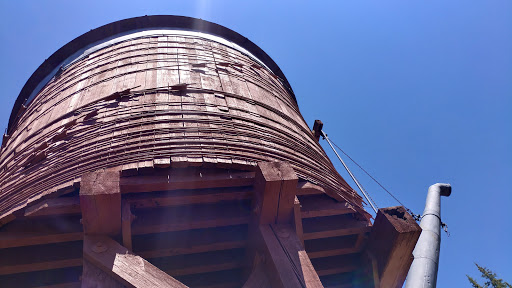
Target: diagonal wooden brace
pixel 286 262
pixel 126 268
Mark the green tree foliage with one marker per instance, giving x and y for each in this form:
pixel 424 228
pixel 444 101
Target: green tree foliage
pixel 491 279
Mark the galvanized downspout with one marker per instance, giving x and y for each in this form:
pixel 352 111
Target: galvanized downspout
pixel 423 271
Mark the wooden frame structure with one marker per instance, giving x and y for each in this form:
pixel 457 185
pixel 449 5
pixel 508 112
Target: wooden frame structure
pixel 238 229
pixel 178 157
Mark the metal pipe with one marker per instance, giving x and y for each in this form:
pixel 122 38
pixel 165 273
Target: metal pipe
pixel 423 271
pixel 349 172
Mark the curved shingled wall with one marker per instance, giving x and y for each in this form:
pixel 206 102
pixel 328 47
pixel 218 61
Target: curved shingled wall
pixel 157 96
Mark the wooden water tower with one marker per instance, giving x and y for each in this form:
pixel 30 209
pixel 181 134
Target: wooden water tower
pixel 167 151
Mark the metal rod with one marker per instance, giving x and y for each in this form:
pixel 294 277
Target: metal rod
pixel 349 172
pixel 423 271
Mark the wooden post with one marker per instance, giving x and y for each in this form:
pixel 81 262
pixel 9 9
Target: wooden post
pixel 273 236
pixel 390 244
pixel 128 269
pixel 317 127
pixel 100 202
pixel 275 187
pixel 289 181
pixel 126 225
pixel 267 184
pixel 298 220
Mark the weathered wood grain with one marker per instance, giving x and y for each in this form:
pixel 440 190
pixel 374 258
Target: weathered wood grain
pixel 129 269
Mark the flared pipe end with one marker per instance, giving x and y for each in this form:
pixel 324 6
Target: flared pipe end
pixel 444 188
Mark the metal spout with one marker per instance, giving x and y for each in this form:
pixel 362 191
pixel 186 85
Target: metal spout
pixel 423 271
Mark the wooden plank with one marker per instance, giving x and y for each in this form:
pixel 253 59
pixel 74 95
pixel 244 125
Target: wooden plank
pixel 40 257
pixel 63 285
pixel 287 193
pixel 176 179
pixel 43 278
pixel 278 266
pixel 190 241
pixel 333 246
pixel 41 231
pixel 100 202
pixel 323 205
pixel 298 220
pixel 336 264
pixel 12 269
pixel 391 242
pixel 201 263
pixel 317 128
pixel 190 217
pixel 267 185
pixel 129 269
pixel 332 226
pixel 308 188
pixel 8 218
pixel 55 206
pixel 275 187
pixel 188 197
pixel 126 226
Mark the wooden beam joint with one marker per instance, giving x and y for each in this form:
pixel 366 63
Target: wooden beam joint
pixel 390 244
pixel 100 202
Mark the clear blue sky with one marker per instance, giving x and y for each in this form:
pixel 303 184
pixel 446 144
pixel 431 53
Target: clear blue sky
pixel 418 92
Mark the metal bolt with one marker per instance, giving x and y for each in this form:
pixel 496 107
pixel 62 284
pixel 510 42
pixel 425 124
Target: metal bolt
pixel 99 247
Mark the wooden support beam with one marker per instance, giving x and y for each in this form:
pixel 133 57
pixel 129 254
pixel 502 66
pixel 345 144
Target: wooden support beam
pixel 336 264
pixel 58 278
pixel 322 205
pixel 191 217
pixel 40 257
pixel 287 264
pixel 391 242
pixel 40 266
pixel 317 127
pixel 126 225
pixel 219 279
pixel 128 269
pixel 190 241
pixel 333 226
pixel 201 262
pixel 100 202
pixel 64 285
pixel 332 246
pixel 31 231
pixel 267 185
pixel 188 197
pixel 275 186
pixel 298 220
pixel 189 178
pixel 55 206
pixel 6 219
pixel 308 188
pixel 287 193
